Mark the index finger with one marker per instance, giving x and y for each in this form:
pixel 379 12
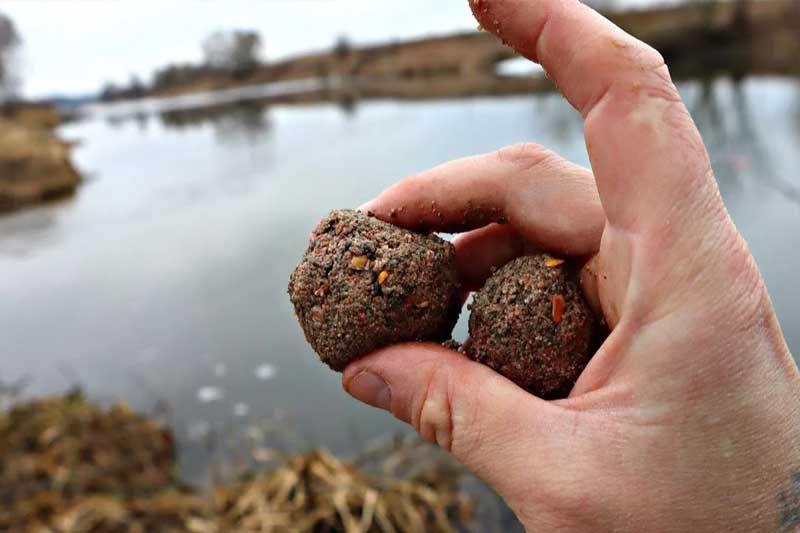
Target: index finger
pixel 647 155
pixel 548 201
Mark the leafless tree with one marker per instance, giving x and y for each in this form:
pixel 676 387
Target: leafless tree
pixel 343 47
pixel 9 41
pixel 236 52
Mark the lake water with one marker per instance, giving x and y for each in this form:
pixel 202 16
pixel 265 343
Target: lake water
pixel 163 281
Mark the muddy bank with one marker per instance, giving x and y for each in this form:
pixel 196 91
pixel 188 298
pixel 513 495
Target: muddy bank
pixel 68 465
pixel 35 164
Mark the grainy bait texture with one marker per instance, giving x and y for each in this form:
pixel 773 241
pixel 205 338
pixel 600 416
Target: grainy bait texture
pixel 531 324
pixel 364 284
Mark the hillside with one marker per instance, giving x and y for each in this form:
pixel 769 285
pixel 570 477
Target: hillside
pixel 696 39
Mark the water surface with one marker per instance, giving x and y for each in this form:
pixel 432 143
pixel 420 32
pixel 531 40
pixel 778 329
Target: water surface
pixel 163 281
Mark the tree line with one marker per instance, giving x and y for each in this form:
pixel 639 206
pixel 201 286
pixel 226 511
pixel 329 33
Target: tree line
pixel 233 54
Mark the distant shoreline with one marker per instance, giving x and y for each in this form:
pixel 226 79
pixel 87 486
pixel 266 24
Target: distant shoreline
pixel 698 39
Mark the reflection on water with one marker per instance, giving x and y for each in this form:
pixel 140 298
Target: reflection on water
pixel 246 121
pixel 727 119
pixel 28 230
pixel 796 107
pixel 242 121
pixel 163 282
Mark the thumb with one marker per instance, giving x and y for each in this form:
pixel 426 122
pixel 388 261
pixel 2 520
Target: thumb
pixel 496 429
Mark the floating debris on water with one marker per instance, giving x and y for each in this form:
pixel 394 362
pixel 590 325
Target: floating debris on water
pixel 241 409
pixel 265 372
pixel 210 394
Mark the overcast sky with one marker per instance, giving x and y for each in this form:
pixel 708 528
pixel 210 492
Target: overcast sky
pixel 73 47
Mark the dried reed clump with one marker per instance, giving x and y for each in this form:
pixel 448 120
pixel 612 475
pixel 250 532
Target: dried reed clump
pixel 35 116
pixel 56 451
pixel 172 512
pixel 35 165
pixel 68 445
pixel 317 492
pixel 69 466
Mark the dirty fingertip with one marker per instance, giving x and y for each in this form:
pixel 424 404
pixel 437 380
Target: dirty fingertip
pixel 366 206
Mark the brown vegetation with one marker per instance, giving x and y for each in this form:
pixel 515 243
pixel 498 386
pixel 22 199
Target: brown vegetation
pixel 67 465
pixel 37 116
pixel 35 165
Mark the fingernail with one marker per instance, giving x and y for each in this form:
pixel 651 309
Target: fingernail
pixel 370 389
pixel 365 206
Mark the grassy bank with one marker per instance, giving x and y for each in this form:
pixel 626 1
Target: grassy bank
pixel 67 465
pixel 35 164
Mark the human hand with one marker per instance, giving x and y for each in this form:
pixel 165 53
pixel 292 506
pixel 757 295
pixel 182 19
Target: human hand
pixel 688 417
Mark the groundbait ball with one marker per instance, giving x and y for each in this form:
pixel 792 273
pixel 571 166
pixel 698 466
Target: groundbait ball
pixel 364 284
pixel 531 324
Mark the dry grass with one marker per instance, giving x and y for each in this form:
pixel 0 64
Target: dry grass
pixel 67 465
pixel 34 164
pixel 55 452
pixel 37 116
pixel 317 492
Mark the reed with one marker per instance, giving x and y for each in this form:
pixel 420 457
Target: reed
pixel 67 465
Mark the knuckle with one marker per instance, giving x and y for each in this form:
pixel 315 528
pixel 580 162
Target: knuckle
pixel 648 58
pixel 524 156
pixel 434 416
pixel 633 54
pixel 647 75
pixel 661 72
pixel 654 73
